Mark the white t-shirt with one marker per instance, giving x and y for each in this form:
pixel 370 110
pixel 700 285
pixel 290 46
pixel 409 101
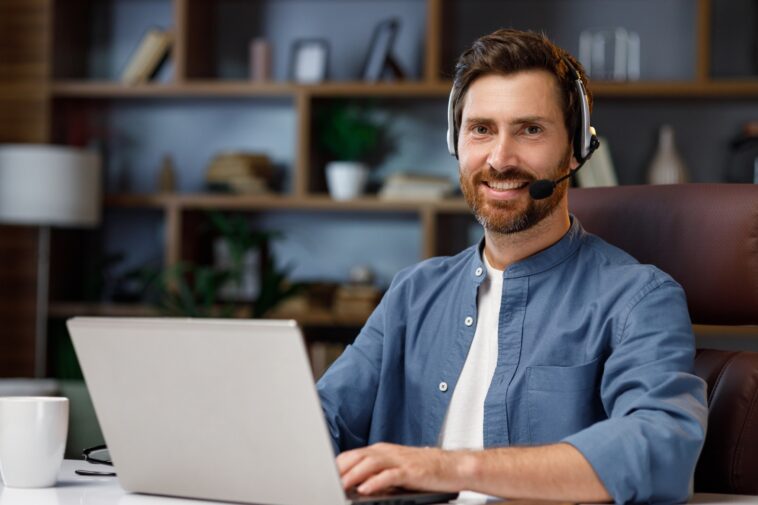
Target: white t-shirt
pixel 463 427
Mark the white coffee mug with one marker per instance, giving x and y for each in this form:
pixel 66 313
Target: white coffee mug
pixel 33 433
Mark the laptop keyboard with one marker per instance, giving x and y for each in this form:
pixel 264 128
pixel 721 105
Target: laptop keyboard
pixel 400 497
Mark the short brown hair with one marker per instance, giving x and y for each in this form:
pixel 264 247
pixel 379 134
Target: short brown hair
pixel 507 51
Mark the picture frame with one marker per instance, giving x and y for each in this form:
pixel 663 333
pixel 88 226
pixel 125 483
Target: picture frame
pixel 309 60
pixel 379 56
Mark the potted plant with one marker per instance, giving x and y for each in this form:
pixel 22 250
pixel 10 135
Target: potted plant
pixel 189 289
pixel 354 142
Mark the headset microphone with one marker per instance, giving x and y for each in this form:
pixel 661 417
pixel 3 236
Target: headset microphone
pixel 543 188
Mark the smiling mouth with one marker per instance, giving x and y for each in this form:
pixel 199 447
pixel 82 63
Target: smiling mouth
pixel 506 185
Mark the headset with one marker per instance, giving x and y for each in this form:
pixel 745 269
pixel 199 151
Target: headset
pixel 585 140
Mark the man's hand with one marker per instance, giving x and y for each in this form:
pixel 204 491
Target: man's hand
pixel 549 472
pixel 380 467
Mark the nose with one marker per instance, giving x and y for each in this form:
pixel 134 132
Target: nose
pixel 502 154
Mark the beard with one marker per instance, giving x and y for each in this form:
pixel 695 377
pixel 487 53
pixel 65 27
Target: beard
pixel 514 216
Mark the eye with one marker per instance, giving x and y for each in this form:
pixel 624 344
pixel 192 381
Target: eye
pixel 480 130
pixel 533 129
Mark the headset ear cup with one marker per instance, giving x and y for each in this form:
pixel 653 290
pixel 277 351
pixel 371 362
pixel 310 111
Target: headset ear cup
pixel 451 137
pixel 593 144
pixel 584 133
pixel 578 142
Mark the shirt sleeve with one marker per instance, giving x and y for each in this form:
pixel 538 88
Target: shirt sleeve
pixel 348 389
pixel 646 451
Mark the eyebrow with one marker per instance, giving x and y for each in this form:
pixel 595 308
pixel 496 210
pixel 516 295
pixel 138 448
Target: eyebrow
pixel 516 121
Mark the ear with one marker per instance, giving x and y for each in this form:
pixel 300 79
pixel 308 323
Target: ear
pixel 573 164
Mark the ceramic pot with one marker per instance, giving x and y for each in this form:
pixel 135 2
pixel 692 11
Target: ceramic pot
pixel 346 179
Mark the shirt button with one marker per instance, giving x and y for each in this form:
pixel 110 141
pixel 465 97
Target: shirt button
pixel 479 271
pixel 468 321
pixel 443 386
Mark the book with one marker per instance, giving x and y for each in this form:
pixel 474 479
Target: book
pixel 216 171
pixel 260 60
pixel 416 186
pixel 598 171
pixel 150 53
pixel 240 172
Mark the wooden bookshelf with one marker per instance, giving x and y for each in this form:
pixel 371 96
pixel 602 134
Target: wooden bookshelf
pixel 50 79
pixel 193 68
pixel 193 77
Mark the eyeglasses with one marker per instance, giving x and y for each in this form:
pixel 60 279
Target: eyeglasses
pixel 96 460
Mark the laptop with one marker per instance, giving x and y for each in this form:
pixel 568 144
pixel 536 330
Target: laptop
pixel 213 409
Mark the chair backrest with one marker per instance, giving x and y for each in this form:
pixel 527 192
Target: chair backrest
pixel 706 237
pixel 729 461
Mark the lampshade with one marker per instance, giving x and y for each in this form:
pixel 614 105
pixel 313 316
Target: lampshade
pixel 49 185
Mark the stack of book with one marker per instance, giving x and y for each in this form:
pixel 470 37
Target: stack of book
pixel 240 172
pixel 147 58
pixel 355 301
pixel 416 186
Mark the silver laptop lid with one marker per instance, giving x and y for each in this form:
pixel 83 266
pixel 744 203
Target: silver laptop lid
pixel 215 409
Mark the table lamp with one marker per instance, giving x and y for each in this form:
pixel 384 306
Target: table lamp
pixel 44 186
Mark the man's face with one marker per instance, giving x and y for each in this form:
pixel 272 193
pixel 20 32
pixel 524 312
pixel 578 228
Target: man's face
pixel 512 133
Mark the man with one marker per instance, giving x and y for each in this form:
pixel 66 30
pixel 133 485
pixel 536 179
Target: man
pixel 542 363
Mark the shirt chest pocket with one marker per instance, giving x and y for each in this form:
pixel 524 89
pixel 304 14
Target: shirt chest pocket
pixel 562 400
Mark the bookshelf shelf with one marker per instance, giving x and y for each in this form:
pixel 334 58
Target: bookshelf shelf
pixel 678 89
pixel 65 310
pixel 263 202
pixel 309 318
pixel 108 89
pixel 209 88
pixel 738 88
pixel 366 89
pixel 316 317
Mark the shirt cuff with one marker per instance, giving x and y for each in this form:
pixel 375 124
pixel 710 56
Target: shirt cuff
pixel 601 446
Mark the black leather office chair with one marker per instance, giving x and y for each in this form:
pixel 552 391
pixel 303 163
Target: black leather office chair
pixel 706 237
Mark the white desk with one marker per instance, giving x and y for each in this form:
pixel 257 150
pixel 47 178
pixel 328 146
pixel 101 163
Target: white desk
pixel 73 489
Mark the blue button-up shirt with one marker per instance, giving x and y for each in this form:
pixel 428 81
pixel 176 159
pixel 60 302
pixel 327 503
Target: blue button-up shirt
pixel 594 350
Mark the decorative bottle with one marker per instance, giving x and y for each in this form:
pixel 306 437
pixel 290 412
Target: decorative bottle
pixel 167 175
pixel 667 166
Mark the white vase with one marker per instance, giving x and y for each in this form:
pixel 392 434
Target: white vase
pixel 346 179
pixel 667 166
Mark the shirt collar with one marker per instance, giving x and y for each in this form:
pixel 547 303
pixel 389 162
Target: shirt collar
pixel 536 263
